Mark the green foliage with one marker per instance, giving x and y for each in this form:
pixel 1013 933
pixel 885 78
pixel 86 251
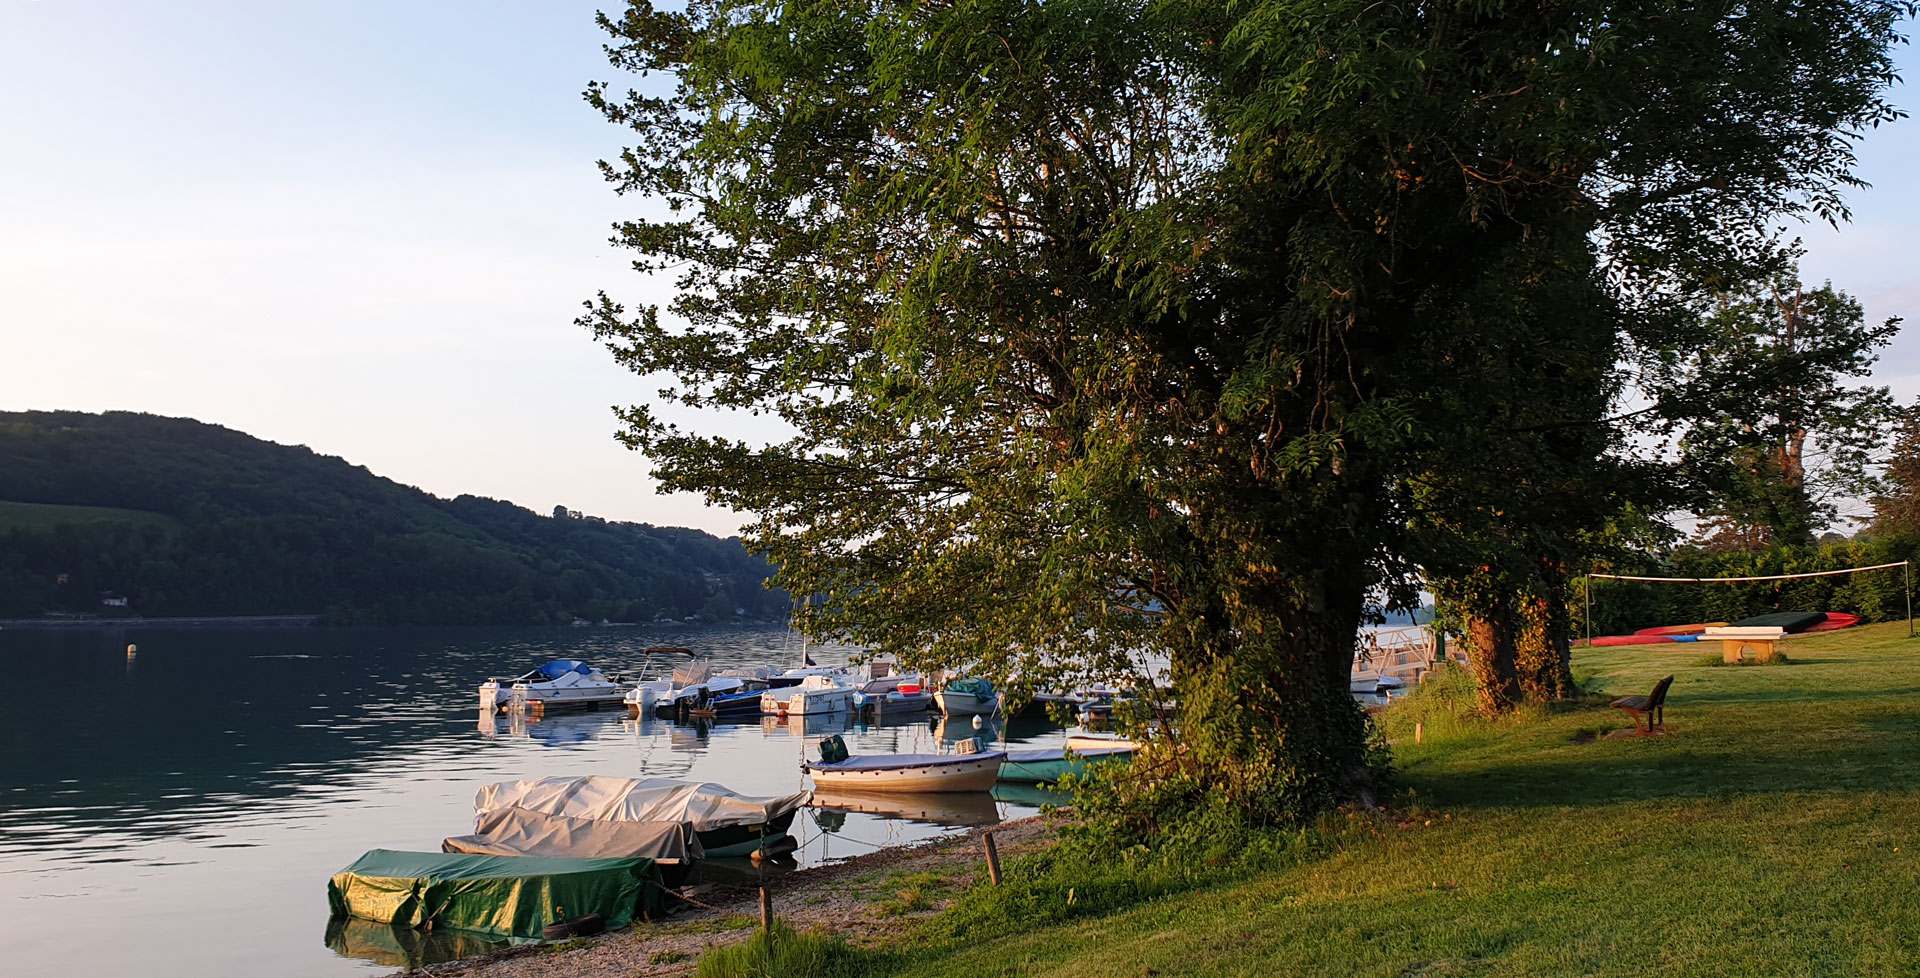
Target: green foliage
pixel 1083 876
pixel 781 954
pixel 1769 412
pixel 1102 326
pixel 1896 510
pixel 186 518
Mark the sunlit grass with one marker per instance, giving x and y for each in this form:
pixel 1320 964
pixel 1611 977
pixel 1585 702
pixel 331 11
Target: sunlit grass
pixel 1774 831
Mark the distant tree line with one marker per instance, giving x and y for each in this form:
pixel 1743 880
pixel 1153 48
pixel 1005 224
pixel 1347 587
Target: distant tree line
pixel 250 527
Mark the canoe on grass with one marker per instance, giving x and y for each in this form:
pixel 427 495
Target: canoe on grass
pixel 1047 766
pixel 909 772
pixel 1693 629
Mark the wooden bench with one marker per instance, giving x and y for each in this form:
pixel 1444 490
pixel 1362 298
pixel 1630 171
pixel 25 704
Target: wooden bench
pixel 1653 706
pixel 1736 642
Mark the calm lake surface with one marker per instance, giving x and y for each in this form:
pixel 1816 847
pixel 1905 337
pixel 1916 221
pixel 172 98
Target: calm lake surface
pixel 179 811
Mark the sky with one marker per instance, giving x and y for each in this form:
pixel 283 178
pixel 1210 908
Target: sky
pixel 367 227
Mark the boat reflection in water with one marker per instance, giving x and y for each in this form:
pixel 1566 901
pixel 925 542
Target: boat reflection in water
pixel 809 725
pixel 400 946
pixel 951 809
pixel 554 729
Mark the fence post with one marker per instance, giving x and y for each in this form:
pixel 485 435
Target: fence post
pixel 993 858
pixel 766 912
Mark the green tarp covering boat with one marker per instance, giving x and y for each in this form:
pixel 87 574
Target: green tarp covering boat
pixel 500 897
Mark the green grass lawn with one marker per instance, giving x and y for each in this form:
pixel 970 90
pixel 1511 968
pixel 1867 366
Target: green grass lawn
pixel 1774 831
pixel 44 516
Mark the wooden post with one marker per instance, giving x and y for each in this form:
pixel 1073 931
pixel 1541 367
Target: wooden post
pixel 1419 731
pixel 993 858
pixel 766 912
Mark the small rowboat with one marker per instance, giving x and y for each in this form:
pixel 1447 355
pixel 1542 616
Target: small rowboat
pixel 909 772
pixel 1046 766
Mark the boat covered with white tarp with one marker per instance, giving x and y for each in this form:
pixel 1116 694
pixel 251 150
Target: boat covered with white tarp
pixel 514 831
pixel 723 821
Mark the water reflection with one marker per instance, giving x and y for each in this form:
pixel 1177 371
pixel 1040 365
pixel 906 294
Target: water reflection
pixel 214 781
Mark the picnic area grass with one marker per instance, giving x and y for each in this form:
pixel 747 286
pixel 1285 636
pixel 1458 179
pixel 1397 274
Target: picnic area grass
pixel 1774 831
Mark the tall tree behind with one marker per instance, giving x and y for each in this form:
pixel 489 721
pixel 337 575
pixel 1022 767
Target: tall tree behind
pixel 1897 507
pixel 1779 429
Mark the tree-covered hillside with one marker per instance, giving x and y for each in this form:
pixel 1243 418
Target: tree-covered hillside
pixel 187 518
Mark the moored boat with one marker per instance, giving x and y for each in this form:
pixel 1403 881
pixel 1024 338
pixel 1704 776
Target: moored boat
pixel 967 696
pixel 903 772
pixel 560 683
pixel 1047 766
pixel 1089 743
pixel 815 694
pixel 724 822
pixel 902 694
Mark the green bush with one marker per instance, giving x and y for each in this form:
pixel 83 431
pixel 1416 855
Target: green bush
pixel 1083 876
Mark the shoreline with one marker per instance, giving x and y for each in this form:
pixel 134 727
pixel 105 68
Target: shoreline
pixel 192 621
pixel 861 899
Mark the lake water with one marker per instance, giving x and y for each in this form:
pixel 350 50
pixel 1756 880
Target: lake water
pixel 179 811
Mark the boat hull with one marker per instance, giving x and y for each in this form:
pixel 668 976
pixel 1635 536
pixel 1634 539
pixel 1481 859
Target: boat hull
pixel 935 775
pixel 1050 769
pixel 742 840
pixel 965 704
pixel 805 702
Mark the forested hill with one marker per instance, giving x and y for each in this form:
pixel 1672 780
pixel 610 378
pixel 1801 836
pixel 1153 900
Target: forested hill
pixel 186 518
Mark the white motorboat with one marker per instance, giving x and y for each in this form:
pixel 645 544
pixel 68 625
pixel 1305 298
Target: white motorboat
pixel 815 694
pixel 642 699
pixel 560 683
pixel 908 772
pixel 967 696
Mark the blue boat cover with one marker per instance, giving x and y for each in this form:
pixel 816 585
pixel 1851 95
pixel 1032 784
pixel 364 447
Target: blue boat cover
pixel 560 667
pixel 875 762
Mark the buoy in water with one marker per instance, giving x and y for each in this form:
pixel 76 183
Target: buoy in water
pixel 131 649
pixel 977 722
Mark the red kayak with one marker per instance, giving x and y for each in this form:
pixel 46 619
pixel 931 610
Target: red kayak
pixel 1835 620
pixel 1635 639
pixel 1694 629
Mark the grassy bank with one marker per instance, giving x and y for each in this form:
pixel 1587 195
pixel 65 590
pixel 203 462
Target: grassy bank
pixel 1775 831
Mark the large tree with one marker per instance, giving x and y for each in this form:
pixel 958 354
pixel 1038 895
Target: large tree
pixel 1772 415
pixel 1102 327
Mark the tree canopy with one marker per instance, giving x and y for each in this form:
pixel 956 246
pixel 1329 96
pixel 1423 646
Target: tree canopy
pixel 1113 326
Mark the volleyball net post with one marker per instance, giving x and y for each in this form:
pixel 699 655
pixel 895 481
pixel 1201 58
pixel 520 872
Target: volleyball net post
pixel 1906 568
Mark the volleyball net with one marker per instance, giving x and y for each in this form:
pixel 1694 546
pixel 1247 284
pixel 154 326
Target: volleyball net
pixel 1905 566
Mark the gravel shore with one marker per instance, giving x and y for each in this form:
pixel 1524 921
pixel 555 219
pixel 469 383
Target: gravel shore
pixel 862 899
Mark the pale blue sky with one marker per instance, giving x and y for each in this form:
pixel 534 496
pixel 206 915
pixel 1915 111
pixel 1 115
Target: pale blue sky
pixel 366 227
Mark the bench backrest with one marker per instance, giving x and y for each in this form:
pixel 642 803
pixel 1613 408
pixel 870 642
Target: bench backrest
pixel 1659 697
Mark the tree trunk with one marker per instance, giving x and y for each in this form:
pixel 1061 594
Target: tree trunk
pixel 1542 657
pixel 1491 635
pixel 1266 717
